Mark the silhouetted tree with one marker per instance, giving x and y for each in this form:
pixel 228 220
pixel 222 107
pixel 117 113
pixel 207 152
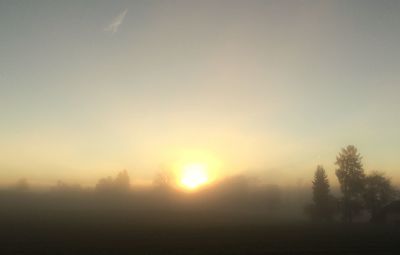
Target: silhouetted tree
pixel 378 192
pixel 105 184
pixel 350 174
pixel 324 203
pixel 122 181
pixel 163 180
pixel 22 185
pixel 120 184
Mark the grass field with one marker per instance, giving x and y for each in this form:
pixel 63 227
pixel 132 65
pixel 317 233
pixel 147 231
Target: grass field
pixel 56 232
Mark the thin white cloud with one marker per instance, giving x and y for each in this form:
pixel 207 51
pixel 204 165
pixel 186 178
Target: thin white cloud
pixel 117 21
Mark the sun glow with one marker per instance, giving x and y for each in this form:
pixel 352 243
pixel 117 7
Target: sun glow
pixel 194 175
pixel 195 168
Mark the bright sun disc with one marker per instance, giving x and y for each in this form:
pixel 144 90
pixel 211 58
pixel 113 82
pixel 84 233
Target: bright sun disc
pixel 194 175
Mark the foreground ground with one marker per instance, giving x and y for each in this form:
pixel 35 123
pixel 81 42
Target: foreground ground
pixel 55 232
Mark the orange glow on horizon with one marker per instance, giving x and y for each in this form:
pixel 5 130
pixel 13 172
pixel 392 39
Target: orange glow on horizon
pixel 194 175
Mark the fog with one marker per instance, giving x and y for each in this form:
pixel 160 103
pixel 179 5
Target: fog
pixel 252 111
pixel 238 214
pixel 236 199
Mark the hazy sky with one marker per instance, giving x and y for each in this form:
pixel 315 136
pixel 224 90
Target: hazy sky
pixel 270 88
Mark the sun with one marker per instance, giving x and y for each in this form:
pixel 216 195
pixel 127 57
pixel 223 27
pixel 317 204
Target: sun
pixel 194 175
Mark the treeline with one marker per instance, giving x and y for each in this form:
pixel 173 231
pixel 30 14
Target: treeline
pixel 361 192
pixel 361 195
pixel 238 198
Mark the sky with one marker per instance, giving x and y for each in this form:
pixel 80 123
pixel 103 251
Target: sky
pixel 265 88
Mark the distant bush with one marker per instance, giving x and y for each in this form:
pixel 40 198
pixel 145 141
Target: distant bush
pixel 109 185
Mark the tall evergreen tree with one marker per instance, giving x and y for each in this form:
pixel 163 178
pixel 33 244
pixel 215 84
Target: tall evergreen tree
pixel 350 173
pixel 323 207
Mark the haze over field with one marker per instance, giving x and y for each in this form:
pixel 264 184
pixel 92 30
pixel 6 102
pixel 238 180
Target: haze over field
pixel 268 89
pixel 199 127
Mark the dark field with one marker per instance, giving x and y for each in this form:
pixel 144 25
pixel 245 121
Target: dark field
pixel 62 232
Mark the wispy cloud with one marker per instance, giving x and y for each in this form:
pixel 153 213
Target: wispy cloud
pixel 117 21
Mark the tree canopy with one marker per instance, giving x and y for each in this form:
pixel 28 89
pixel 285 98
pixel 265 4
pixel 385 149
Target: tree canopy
pixel 350 174
pixel 378 192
